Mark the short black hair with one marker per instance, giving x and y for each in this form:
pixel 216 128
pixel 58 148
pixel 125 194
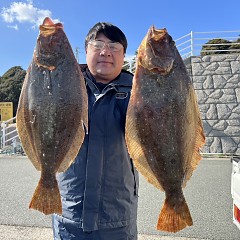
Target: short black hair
pixel 110 31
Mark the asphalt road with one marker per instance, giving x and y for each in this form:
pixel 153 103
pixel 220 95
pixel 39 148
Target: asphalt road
pixel 207 193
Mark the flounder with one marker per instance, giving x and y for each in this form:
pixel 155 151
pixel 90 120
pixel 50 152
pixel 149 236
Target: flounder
pixel 164 130
pixel 52 112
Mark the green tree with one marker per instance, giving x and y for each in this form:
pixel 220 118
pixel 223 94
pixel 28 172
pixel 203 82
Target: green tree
pixel 211 47
pixel 126 64
pixel 11 85
pixel 235 46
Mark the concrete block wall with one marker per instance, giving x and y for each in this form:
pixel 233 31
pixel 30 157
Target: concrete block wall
pixel 216 80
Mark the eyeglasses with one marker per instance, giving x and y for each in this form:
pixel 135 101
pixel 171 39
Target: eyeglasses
pixel 112 46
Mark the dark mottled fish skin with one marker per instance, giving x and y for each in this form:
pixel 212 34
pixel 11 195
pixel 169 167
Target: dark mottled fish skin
pixel 52 112
pixel 164 130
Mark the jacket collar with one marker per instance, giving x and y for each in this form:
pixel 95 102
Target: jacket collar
pixel 123 80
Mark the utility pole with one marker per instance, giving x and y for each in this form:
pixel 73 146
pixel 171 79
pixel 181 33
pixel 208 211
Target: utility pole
pixel 77 53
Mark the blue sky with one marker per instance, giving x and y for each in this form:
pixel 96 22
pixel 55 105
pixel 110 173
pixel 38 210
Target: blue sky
pixel 19 21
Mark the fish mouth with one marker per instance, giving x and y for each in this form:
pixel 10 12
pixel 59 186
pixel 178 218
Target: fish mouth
pixel 157 34
pixel 153 52
pixel 47 31
pixel 48 27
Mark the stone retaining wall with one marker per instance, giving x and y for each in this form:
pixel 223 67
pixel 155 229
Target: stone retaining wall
pixel 216 81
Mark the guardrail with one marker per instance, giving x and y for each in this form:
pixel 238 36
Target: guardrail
pixel 9 137
pixel 191 44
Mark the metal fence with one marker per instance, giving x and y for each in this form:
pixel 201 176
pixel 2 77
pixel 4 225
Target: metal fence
pixel 192 43
pixel 9 136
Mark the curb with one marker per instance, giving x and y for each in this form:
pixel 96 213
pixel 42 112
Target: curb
pixel 44 233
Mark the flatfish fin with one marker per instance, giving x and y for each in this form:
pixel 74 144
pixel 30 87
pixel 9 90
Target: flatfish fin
pixel 73 151
pixel 199 137
pixel 82 129
pixel 135 148
pixel 24 123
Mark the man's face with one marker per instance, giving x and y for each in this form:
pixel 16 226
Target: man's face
pixel 106 63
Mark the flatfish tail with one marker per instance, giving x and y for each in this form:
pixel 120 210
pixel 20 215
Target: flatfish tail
pixel 46 199
pixel 174 219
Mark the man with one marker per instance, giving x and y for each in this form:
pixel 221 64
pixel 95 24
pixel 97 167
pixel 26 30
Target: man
pixel 99 190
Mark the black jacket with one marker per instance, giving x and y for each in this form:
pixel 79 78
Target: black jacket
pixel 99 190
